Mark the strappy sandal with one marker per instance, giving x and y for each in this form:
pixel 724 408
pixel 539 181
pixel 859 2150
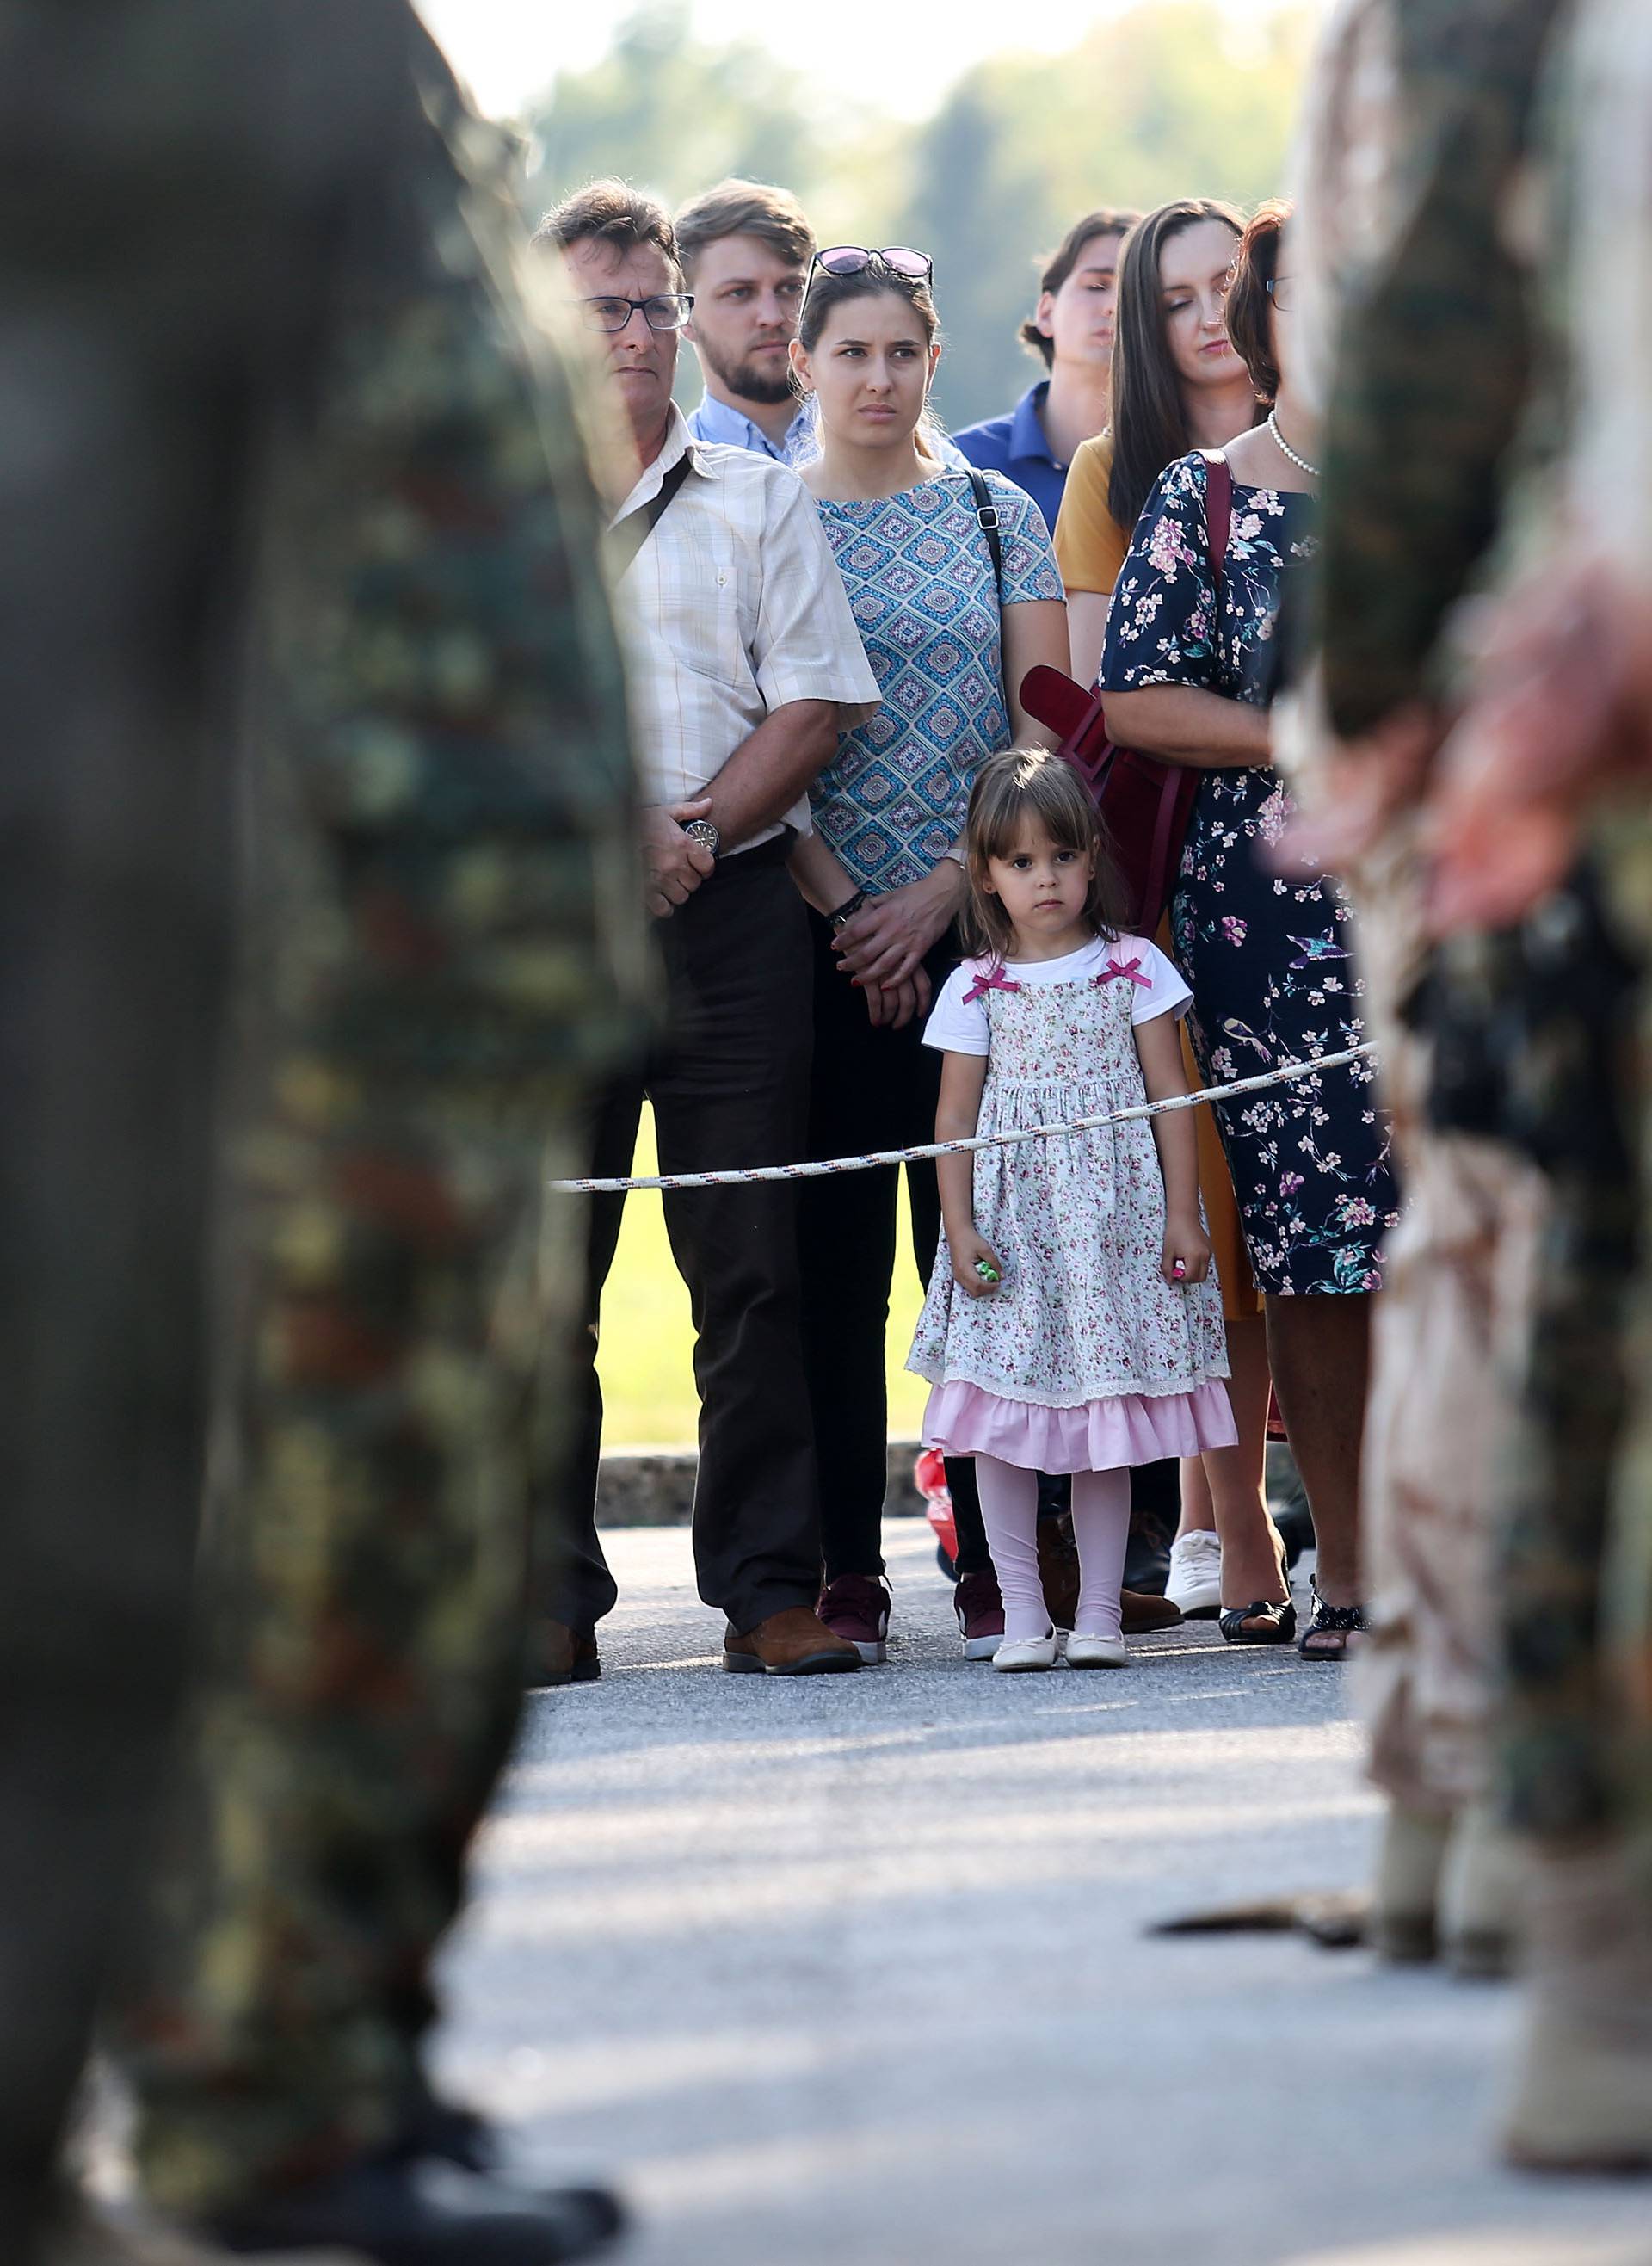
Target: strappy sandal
pixel 1280 1615
pixel 1340 1621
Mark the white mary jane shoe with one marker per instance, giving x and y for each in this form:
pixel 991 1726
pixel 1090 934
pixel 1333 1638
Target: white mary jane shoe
pixel 1014 1658
pixel 1097 1652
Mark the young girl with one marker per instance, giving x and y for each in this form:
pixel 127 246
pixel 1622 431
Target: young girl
pixel 1073 1322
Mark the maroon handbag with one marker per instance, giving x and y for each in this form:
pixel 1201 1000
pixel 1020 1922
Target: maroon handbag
pixel 1145 804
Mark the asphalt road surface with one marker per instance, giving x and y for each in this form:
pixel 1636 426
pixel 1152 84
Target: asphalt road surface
pixel 852 1971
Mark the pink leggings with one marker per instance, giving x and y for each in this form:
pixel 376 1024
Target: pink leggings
pixel 1101 1527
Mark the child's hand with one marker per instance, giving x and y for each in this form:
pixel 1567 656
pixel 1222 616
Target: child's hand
pixel 969 1255
pixel 1186 1253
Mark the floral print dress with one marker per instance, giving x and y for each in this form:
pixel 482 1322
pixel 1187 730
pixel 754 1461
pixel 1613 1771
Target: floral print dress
pixel 1271 961
pixel 1084 1359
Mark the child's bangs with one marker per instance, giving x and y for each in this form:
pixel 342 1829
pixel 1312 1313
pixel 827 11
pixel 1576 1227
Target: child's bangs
pixel 1042 791
pixel 1049 793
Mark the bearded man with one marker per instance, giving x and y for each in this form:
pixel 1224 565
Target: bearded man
pixel 746 251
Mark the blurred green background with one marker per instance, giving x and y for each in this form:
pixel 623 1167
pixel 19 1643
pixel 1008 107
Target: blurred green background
pixel 645 1357
pixel 1174 98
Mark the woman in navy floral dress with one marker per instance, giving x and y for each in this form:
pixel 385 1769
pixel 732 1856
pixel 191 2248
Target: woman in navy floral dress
pixel 1189 670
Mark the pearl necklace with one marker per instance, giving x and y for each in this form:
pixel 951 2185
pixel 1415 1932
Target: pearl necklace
pixel 1301 462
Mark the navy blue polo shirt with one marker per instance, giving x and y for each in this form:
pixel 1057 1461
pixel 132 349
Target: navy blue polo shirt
pixel 1016 445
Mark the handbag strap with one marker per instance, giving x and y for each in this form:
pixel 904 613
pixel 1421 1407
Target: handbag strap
pixel 627 536
pixel 987 521
pixel 1218 508
pixel 1218 519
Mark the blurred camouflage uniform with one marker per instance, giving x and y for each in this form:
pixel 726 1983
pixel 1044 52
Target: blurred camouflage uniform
pixel 168 171
pixel 1577 1728
pixel 442 952
pixel 1421 121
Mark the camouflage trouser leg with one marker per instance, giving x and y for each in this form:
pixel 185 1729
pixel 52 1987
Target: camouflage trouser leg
pixel 369 1584
pixel 1449 1326
pixel 442 957
pixel 1448 1332
pixel 1577 1731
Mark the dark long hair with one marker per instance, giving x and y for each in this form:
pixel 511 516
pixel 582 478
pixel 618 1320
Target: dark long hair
pixel 1149 421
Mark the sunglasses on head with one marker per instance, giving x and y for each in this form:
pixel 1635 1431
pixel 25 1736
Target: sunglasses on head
pixel 851 258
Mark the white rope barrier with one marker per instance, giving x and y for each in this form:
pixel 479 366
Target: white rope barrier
pixel 1283 1075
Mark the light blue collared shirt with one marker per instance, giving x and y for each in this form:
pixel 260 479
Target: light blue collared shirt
pixel 716 421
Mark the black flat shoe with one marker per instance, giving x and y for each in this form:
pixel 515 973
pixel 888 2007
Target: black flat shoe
pixel 426 2210
pixel 1279 1615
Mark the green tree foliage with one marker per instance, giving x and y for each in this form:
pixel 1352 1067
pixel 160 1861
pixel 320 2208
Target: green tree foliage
pixel 673 113
pixel 1169 100
pixel 1163 102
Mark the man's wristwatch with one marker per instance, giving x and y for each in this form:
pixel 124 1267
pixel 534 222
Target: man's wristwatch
pixel 704 835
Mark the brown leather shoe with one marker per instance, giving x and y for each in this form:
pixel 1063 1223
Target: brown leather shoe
pixel 563 1655
pixel 1058 1571
pixel 793 1643
pixel 1142 1613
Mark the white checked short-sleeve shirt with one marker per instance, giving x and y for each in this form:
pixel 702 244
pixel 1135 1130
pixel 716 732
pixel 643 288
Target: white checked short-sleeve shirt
pixel 733 608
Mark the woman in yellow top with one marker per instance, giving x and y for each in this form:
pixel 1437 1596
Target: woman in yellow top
pixel 1179 385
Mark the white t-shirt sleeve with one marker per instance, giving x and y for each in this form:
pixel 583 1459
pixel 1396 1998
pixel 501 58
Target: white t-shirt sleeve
pixel 953 1027
pixel 1165 993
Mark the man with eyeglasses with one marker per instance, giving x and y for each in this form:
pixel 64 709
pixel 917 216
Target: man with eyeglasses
pixel 745 665
pixel 745 249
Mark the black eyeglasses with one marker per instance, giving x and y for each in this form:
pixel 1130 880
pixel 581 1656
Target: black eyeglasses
pixel 1281 289
pixel 851 258
pixel 665 310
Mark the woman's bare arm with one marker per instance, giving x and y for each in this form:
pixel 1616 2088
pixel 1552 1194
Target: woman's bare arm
pixel 821 880
pixel 1182 724
pixel 1086 631
pixel 1034 635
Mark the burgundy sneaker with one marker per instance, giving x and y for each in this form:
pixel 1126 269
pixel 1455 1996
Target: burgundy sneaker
pixel 856 1607
pixel 980 1609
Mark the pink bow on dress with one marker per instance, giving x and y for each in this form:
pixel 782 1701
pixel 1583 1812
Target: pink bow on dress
pixel 1129 969
pixel 994 980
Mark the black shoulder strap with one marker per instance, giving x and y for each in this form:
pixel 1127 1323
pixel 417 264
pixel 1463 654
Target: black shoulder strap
pixel 1218 507
pixel 987 520
pixel 627 536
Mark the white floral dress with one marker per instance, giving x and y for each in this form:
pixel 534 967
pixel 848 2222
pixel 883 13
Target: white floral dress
pixel 1085 1358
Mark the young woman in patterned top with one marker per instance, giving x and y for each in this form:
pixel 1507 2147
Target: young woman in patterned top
pixel 944 638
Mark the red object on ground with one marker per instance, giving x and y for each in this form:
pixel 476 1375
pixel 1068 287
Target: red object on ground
pixel 930 1473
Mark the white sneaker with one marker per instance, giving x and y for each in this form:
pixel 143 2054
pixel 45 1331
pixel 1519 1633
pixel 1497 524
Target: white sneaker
pixel 1194 1579
pixel 1097 1652
pixel 1025 1652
